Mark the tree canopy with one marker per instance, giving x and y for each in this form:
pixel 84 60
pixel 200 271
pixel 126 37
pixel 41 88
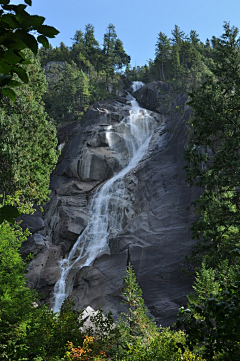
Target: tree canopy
pixel 16 27
pixel 214 165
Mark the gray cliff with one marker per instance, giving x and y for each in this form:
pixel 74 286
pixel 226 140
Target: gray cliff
pixel 155 237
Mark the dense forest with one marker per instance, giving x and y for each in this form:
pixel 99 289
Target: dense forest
pixel 209 328
pixel 88 72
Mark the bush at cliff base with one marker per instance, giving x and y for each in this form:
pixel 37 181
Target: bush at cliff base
pixel 135 337
pixel 167 345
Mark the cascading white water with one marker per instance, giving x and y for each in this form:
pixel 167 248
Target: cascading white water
pixel 137 85
pixel 107 207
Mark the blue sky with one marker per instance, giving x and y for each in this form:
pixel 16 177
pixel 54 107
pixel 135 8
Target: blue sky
pixel 137 23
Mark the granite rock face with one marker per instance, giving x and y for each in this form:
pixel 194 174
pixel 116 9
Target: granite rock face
pixel 155 238
pixel 53 70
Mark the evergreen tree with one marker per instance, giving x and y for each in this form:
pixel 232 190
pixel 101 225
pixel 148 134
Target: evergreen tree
pixel 77 48
pixel 69 95
pixel 212 154
pixel 136 320
pixel 64 51
pixel 177 40
pixel 163 48
pixel 27 139
pixel 121 56
pixel 214 165
pixel 194 37
pixel 109 43
pixel 91 45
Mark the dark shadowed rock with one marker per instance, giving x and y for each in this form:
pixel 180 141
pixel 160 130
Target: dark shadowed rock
pixel 32 222
pixel 158 96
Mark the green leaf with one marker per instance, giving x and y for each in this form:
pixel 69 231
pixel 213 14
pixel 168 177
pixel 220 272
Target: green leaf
pixel 43 40
pixel 48 31
pixel 14 83
pixel 29 2
pixel 5 2
pixel 6 67
pixel 25 60
pixel 37 20
pixel 21 73
pixel 9 92
pixel 5 79
pixel 21 9
pixel 9 40
pixel 9 7
pixel 9 213
pixel 10 19
pixel 11 57
pixel 28 39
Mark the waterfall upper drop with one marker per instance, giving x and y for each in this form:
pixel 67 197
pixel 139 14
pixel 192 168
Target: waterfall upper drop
pixel 137 85
pixel 107 206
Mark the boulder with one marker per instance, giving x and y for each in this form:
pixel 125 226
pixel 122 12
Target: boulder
pixel 33 222
pixel 159 97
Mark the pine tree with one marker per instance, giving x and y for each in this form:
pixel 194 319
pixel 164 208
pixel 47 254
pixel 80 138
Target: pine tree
pixel 70 94
pixel 163 48
pixel 214 165
pixel 108 50
pixel 77 49
pixel 136 319
pixel 213 154
pixel 121 56
pixel 91 45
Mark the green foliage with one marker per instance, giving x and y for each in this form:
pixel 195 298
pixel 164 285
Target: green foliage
pixel 28 330
pixel 183 61
pixel 9 213
pixel 91 73
pixel 35 333
pixel 13 288
pixel 68 93
pixel 113 53
pixel 15 297
pixel 139 338
pixel 163 48
pixel 103 329
pixel 38 332
pixel 212 319
pixel 205 285
pixel 27 139
pixel 135 321
pixel 214 323
pixel 16 25
pixel 166 345
pixel 49 333
pixel 134 337
pixel 212 155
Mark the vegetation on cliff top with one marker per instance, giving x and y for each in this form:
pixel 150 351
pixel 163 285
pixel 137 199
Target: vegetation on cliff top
pixel 88 72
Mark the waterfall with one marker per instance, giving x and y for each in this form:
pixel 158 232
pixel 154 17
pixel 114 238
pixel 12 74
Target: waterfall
pixel 137 85
pixel 107 207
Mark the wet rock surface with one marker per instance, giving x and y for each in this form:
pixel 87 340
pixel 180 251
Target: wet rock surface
pixel 155 237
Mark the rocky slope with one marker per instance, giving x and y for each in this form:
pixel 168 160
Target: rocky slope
pixel 155 237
